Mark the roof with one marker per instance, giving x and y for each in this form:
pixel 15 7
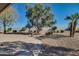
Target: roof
pixel 3 6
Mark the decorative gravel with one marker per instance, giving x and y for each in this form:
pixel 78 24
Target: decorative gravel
pixel 28 49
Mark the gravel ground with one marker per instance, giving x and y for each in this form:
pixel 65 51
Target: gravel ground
pixel 58 44
pixel 18 37
pixel 28 49
pixel 61 40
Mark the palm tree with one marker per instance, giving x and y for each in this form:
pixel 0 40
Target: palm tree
pixel 73 22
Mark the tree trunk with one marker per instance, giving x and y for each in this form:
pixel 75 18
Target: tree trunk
pixel 4 25
pixel 71 29
pixel 37 27
pixel 38 30
pixel 74 28
pixel 30 32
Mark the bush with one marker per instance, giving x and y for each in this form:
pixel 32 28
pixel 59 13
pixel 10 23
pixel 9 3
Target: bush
pixel 14 31
pixel 9 29
pixel 61 31
pixel 57 31
pixel 54 28
pixel 48 33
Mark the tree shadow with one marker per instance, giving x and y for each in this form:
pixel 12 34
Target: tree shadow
pixel 56 51
pixel 27 49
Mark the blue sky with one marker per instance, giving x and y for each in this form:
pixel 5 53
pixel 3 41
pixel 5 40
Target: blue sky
pixel 59 10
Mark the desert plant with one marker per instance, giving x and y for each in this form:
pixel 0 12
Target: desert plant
pixel 7 17
pixel 14 31
pixel 61 31
pixel 53 28
pixel 73 18
pixel 39 15
pixel 57 31
pixel 48 33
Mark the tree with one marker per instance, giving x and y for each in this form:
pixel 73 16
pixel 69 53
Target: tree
pixel 29 25
pixel 39 15
pixel 73 22
pixel 7 17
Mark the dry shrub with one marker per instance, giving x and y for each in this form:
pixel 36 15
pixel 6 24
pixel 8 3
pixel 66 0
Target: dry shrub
pixel 48 33
pixel 14 31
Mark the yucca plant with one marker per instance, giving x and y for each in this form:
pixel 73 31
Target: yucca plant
pixel 73 22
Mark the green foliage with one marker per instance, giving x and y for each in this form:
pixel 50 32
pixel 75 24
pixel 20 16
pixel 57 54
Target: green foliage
pixel 73 22
pixel 9 29
pixel 39 15
pixel 73 17
pixel 8 17
pixel 54 28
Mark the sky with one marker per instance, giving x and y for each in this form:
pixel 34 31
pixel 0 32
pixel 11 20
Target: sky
pixel 60 11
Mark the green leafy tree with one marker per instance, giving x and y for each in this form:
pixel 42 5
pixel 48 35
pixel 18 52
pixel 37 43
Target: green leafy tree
pixel 39 15
pixel 8 17
pixel 73 22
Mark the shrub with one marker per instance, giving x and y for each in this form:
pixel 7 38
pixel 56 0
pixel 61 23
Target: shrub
pixel 9 29
pixel 54 28
pixel 61 31
pixel 57 31
pixel 14 31
pixel 48 33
